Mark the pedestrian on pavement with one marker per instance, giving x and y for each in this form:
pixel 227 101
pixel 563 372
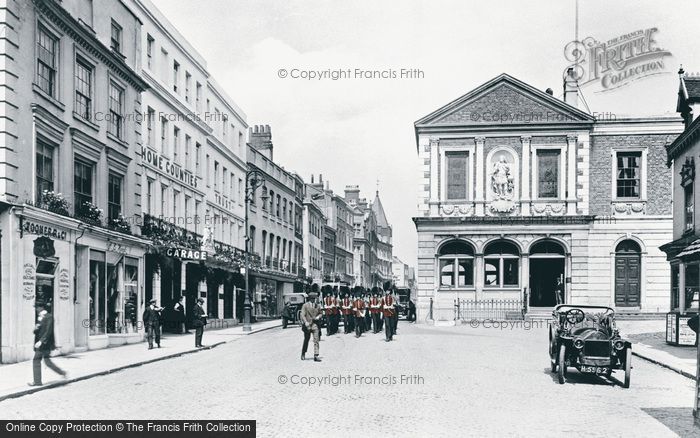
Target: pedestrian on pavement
pixel 180 316
pixel 44 343
pixel 346 306
pixel 360 311
pixel 199 320
pixel 389 311
pixel 151 320
pixel 310 316
pixel 559 291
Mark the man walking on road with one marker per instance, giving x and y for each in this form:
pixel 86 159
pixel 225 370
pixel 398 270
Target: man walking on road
pixel 199 320
pixel 346 305
pixel 359 309
pixel 44 343
pixel 151 320
pixel 310 315
pixel 375 307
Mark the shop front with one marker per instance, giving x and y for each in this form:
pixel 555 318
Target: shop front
pixel 88 277
pixel 685 296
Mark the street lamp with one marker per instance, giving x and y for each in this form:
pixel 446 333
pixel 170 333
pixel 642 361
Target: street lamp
pixel 253 180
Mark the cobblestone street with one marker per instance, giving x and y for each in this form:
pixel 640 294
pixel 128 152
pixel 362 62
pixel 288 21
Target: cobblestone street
pixel 463 382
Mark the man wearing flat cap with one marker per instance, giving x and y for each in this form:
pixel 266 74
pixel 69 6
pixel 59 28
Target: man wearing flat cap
pixel 199 320
pixel 151 320
pixel 310 315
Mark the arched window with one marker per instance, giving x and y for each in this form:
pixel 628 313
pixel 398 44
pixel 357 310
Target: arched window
pixel 456 264
pixel 501 264
pixel 628 246
pixel 547 248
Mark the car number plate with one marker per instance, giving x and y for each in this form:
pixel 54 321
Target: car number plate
pixel 594 370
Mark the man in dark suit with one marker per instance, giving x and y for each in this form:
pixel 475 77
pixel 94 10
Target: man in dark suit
pixel 151 320
pixel 44 343
pixel 199 320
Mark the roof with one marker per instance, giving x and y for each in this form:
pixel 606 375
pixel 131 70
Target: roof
pixel 690 251
pixel 379 213
pixel 525 90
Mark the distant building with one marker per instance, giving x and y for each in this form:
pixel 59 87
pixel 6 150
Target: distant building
pixel 314 222
pixel 382 268
pixel 401 273
pixel 275 222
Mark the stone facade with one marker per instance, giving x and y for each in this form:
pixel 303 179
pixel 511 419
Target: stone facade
pixel 519 190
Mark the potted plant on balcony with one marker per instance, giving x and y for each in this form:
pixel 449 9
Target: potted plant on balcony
pixel 54 202
pixel 89 213
pixel 119 224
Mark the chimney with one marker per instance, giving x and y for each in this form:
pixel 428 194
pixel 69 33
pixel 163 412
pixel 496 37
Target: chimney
pixel 312 179
pixel 352 194
pixel 320 178
pixel 261 139
pixel 571 87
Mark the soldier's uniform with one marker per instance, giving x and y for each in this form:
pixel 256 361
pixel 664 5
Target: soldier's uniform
pixel 375 307
pixel 360 311
pixel 346 305
pixel 336 313
pixel 368 315
pixel 310 314
pixel 328 309
pixel 389 312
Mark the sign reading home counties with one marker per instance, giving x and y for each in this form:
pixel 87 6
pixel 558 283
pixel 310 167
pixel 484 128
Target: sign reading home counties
pixel 618 61
pixel 163 163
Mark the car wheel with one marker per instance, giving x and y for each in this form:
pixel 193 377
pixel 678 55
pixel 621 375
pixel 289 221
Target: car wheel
pixel 552 351
pixel 628 368
pixel 562 364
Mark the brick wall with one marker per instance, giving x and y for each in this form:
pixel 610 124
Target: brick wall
pixel 658 175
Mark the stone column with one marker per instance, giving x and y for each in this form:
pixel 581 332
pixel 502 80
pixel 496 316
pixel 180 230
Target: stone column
pixel 526 177
pixel 434 176
pixel 571 174
pixel 479 186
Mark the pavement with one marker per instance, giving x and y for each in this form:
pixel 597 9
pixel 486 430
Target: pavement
pixel 84 365
pixel 484 381
pixel 649 342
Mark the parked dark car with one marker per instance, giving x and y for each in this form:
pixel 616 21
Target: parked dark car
pixel 586 338
pixel 291 313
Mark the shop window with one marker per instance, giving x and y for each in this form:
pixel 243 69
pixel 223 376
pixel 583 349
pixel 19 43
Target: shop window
pixel 44 289
pixel 456 264
pixel 675 283
pixel 97 301
pixel 692 286
pixel 130 299
pixel 501 264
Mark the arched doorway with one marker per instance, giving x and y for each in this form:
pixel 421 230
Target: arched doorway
pixel 628 261
pixel 547 264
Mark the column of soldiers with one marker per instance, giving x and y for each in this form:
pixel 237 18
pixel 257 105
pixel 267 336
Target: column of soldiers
pixel 361 311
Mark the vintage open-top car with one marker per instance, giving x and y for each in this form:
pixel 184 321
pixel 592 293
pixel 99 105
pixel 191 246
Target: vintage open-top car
pixel 585 337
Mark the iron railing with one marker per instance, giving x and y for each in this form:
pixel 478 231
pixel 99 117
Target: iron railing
pixel 495 309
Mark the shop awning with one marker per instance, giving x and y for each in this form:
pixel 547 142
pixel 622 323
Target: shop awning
pixel 691 251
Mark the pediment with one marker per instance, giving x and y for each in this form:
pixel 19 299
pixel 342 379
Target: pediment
pixel 505 101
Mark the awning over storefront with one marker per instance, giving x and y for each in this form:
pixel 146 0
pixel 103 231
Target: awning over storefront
pixel 690 252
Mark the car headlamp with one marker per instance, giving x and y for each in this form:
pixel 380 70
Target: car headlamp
pixel 578 343
pixel 619 344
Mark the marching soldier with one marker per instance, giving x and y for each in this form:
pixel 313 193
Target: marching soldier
pixel 375 307
pixel 328 309
pixel 310 316
pixel 336 311
pixel 368 315
pixel 389 311
pixel 346 306
pixel 360 311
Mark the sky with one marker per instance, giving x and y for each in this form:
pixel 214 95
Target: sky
pixel 359 131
